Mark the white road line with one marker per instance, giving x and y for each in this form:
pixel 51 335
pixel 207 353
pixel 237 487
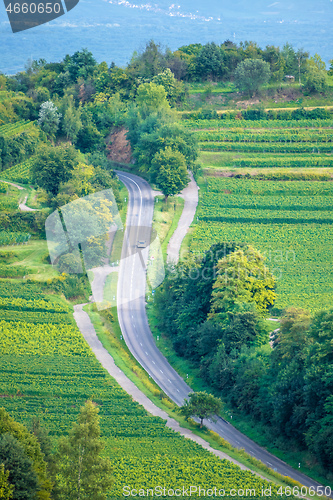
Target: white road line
pixel 161 371
pixel 147 353
pixel 154 362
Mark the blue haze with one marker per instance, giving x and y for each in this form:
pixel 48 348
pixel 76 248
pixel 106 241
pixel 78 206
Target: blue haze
pixel 112 30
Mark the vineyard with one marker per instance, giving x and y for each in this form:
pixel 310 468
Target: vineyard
pixel 248 144
pixel 13 238
pixel 19 173
pixel 291 223
pixel 49 371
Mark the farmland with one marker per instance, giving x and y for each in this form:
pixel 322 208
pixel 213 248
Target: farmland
pixel 48 370
pixel 253 144
pixel 289 222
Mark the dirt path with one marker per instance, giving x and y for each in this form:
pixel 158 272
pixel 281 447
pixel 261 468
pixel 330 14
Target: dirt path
pixel 191 197
pixel 23 207
pixel 22 203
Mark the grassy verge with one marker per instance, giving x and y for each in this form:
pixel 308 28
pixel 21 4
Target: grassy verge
pixel 165 219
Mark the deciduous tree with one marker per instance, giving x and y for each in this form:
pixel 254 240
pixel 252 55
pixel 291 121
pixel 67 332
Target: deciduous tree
pixel 252 74
pixel 201 405
pixel 83 473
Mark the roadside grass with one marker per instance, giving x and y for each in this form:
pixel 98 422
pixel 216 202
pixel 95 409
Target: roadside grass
pixel 165 219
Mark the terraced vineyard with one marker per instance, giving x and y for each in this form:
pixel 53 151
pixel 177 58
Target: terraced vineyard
pixel 285 144
pixel 15 128
pixel 48 370
pixel 19 173
pixel 291 223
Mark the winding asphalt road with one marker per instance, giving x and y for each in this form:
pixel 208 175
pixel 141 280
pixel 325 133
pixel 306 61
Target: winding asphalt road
pixel 136 332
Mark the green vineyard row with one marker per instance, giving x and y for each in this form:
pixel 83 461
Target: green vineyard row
pixel 10 238
pixel 19 173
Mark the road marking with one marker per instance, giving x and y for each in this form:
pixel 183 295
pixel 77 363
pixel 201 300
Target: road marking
pixel 147 353
pixel 161 371
pixel 140 344
pixel 154 362
pixel 170 381
pixel 177 390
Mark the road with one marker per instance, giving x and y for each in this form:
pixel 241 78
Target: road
pixel 136 332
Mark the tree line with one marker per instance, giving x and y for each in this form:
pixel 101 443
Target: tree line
pixel 213 310
pixel 31 468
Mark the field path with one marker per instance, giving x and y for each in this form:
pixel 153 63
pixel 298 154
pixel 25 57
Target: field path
pixel 22 203
pixel 191 197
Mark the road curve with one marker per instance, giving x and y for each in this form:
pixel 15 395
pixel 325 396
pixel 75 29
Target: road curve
pixel 136 332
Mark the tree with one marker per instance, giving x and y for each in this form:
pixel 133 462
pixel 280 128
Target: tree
pixel 80 65
pixel 18 438
pixel 52 166
pixel 49 118
pixel 71 119
pixel 242 278
pixel 316 75
pixel 173 88
pixel 150 98
pixel 330 71
pixel 172 175
pixel 149 63
pixel 6 489
pixel 21 476
pixel 252 74
pixel 201 405
pixel 209 62
pixel 82 472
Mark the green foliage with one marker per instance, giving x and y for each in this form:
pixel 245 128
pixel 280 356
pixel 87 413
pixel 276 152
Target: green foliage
pixel 316 75
pixel 22 477
pixel 71 120
pixel 6 489
pixel 242 277
pixel 52 166
pixel 170 171
pixel 49 118
pixel 8 238
pixel 17 445
pixel 252 74
pixel 201 405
